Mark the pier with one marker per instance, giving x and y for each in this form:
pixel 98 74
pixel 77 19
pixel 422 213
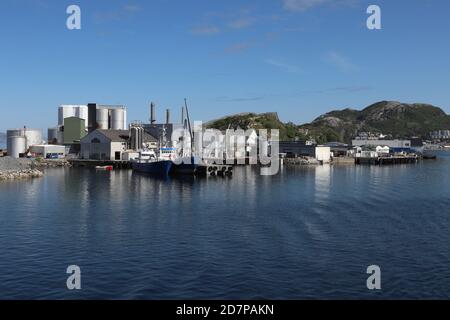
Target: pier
pixel 387 160
pixel 116 164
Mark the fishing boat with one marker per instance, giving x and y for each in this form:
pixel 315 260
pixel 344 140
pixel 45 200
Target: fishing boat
pixel 154 163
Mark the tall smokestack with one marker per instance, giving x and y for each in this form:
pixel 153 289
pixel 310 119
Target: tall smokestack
pixel 167 116
pixel 152 113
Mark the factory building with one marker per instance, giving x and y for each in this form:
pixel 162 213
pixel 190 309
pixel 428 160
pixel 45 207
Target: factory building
pixel 394 145
pixel 165 129
pixel 95 117
pixel 301 149
pixel 48 151
pixel 110 144
pixel 74 130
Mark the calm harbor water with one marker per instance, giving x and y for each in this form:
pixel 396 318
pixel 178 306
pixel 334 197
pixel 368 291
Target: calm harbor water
pixel 309 232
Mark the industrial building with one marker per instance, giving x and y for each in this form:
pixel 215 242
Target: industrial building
pixel 301 149
pixel 110 144
pixel 74 130
pixel 48 151
pixel 95 117
pixel 20 140
pixel 394 145
pixel 166 128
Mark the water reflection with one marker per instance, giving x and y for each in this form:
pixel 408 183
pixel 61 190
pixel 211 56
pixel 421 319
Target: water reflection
pixel 245 237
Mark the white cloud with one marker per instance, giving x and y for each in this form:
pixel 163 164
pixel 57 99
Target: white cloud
pixel 301 5
pixel 340 62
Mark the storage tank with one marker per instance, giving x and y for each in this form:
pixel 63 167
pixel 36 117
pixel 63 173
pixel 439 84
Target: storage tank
pixel 52 135
pixel 33 136
pixel 16 146
pixel 117 119
pixel 102 119
pixel 82 112
pixel 65 111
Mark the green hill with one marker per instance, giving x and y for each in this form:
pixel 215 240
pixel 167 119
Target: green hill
pixel 245 121
pixel 400 120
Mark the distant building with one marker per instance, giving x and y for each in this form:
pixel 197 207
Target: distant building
pixel 394 145
pixel 338 149
pixel 74 130
pixel 440 135
pixel 48 151
pixel 110 144
pixel 301 149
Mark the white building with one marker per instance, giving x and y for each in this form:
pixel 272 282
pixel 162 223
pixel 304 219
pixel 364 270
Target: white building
pixel 388 143
pixel 48 151
pixel 109 144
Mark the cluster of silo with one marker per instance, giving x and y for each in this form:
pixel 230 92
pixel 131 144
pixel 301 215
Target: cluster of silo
pixel 68 111
pixel 105 117
pixel 136 137
pixel 111 117
pixel 20 140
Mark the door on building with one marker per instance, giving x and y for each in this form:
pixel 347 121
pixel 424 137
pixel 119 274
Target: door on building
pixel 117 155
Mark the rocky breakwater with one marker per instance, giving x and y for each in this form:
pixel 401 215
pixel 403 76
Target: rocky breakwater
pixel 47 163
pixel 11 169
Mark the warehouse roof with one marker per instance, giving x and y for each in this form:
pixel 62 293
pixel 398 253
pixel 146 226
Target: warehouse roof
pixel 123 135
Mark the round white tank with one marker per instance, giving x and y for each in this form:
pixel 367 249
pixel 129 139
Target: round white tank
pixel 117 119
pixel 82 112
pixel 102 119
pixel 65 112
pixel 16 146
pixel 33 136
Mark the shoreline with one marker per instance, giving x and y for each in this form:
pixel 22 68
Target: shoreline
pixel 20 169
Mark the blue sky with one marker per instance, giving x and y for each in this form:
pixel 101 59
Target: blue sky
pixel 300 58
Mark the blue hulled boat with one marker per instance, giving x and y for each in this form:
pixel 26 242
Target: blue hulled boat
pixel 149 162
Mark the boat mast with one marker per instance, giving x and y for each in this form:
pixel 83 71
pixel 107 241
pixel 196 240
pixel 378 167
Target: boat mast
pixel 189 125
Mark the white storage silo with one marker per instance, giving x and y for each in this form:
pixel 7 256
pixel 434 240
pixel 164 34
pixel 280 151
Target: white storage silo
pixel 33 136
pixel 102 118
pixel 65 111
pixel 118 119
pixel 16 146
pixel 82 112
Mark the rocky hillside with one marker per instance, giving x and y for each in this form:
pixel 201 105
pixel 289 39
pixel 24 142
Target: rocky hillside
pixel 400 120
pixel 245 121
